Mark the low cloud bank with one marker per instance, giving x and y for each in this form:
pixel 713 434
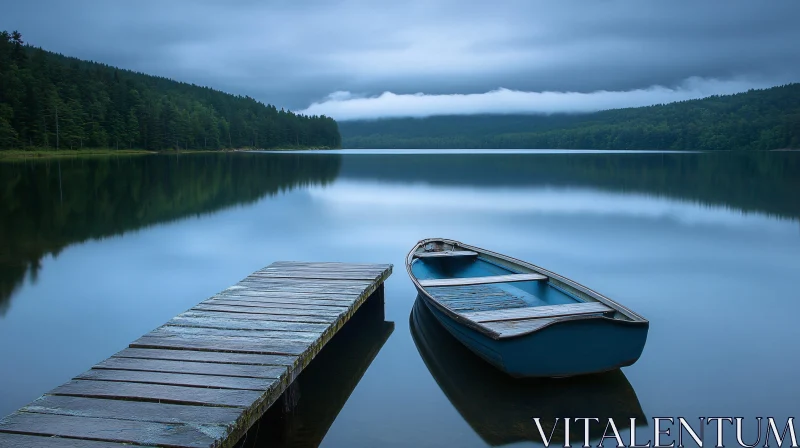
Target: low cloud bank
pixel 348 106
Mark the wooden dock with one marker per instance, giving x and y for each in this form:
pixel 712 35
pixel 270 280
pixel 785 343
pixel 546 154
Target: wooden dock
pixel 203 378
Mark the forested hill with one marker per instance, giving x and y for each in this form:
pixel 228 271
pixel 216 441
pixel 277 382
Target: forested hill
pixel 757 119
pixel 48 100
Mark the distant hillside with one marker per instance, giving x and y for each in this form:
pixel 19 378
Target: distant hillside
pixel 757 119
pixel 49 100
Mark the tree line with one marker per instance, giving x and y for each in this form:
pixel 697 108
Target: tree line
pixel 757 119
pixel 48 100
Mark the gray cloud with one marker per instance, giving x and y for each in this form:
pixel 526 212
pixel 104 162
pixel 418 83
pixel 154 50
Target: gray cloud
pixel 293 54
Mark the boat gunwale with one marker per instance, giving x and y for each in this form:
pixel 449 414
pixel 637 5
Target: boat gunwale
pixel 635 318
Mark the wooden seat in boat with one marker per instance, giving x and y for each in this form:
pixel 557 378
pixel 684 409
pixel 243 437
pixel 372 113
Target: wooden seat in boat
pixel 537 312
pixel 446 253
pixel 481 280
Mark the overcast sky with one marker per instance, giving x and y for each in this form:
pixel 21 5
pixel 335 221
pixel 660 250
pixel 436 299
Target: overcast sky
pixel 361 59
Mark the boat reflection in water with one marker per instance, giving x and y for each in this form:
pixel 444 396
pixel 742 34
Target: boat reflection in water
pixel 501 408
pixel 322 389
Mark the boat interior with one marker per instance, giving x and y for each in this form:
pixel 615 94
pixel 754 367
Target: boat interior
pixel 503 301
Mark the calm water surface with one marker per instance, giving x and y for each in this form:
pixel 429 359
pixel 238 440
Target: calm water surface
pixel 96 252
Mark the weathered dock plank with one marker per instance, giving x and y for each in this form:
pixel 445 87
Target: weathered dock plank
pixel 17 440
pixel 289 297
pixel 209 357
pixel 291 306
pixel 203 378
pixel 239 333
pixel 108 429
pixel 133 410
pixel 221 344
pixel 276 314
pixel 201 368
pixel 178 379
pixel 156 392
pixel 260 321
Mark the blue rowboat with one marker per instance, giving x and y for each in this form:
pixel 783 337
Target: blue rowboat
pixel 523 319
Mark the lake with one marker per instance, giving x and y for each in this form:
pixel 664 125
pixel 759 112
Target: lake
pixel 96 252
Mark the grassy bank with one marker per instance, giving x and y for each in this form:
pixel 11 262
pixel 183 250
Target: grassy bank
pixel 288 148
pixel 16 154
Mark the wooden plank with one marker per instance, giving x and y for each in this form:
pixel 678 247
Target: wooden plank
pixel 204 368
pixel 241 290
pixel 255 315
pixel 536 312
pixel 256 335
pixel 315 275
pixel 267 337
pixel 177 379
pixel 133 410
pixel 244 321
pixel 482 280
pixel 9 440
pixel 21 440
pixel 476 298
pixel 467 291
pixel 325 270
pixel 158 393
pixel 253 302
pixel 303 282
pixel 319 289
pixel 339 266
pixel 332 265
pixel 207 357
pixel 475 307
pixel 315 271
pixel 275 314
pixel 219 319
pixel 446 253
pixel 301 287
pixel 218 344
pixel 258 313
pixel 268 292
pixel 331 301
pixel 232 327
pixel 514 328
pixel 110 430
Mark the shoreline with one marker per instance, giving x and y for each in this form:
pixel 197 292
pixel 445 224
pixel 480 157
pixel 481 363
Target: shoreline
pixel 43 154
pixel 22 154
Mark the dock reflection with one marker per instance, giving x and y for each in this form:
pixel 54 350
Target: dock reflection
pixel 322 389
pixel 499 408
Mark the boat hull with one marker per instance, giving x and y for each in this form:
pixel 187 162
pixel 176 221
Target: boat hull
pixel 562 349
pixel 505 418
